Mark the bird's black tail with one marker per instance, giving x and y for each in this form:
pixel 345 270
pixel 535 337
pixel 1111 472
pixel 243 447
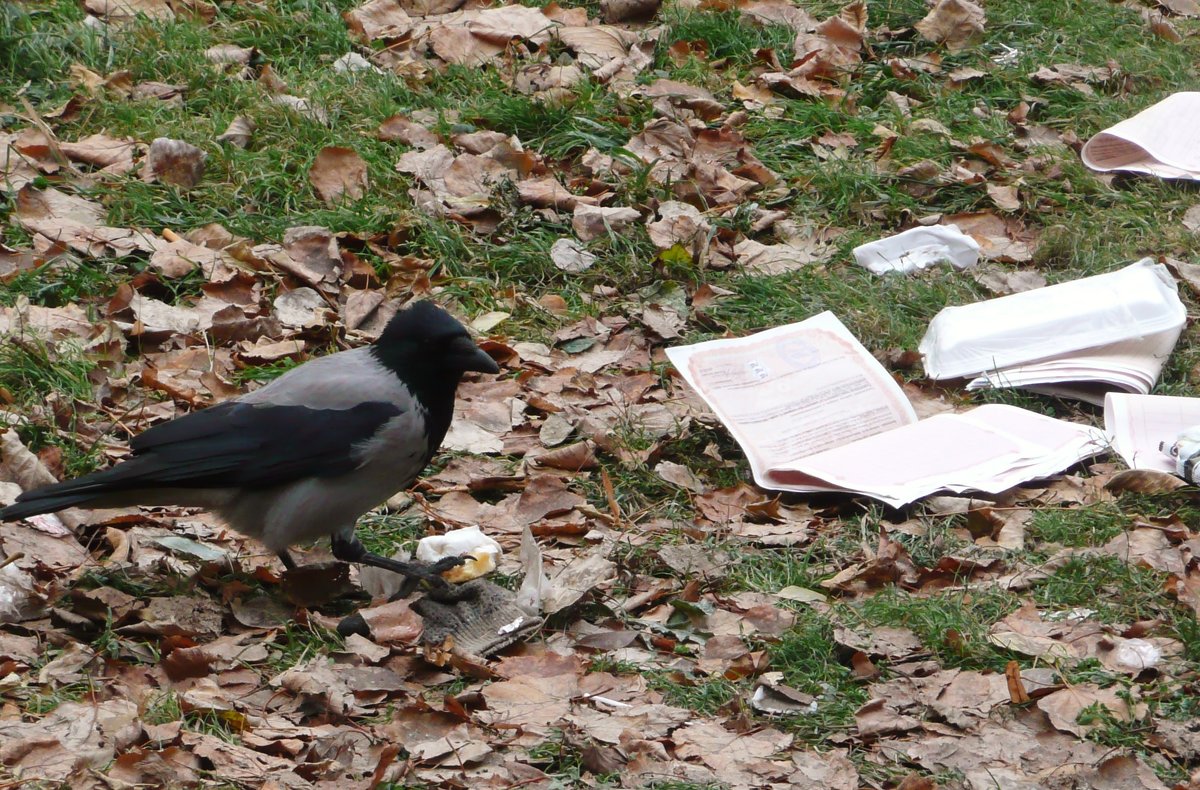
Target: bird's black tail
pixel 52 498
pixel 33 507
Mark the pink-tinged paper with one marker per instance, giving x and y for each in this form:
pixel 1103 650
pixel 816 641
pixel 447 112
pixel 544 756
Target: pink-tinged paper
pixel 814 411
pixel 789 392
pixel 1138 424
pixel 1163 140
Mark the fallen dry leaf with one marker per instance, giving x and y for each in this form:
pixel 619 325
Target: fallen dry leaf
pixel 953 23
pixel 591 222
pixel 1064 706
pixel 570 256
pixel 678 223
pixel 174 162
pixel 238 133
pixel 337 174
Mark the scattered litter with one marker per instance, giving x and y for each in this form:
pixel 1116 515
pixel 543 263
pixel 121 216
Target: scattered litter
pixel 1137 655
pixel 814 411
pixel 1155 432
pixel 1076 339
pixel 474 626
pixel 1158 141
pixel 919 248
pixel 1186 452
pixel 774 698
pixel 352 61
pixel 466 542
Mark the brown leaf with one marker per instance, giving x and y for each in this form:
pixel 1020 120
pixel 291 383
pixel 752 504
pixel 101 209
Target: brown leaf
pixel 378 19
pixel 1002 282
pixel 173 162
pixel 954 23
pixel 875 718
pixel 235 763
pixel 890 565
pixel 1066 638
pixel 1064 706
pixel 1004 196
pixel 998 240
pixel 404 129
pixel 125 10
pixel 570 256
pixel 1148 547
pixel 77 223
pixel 592 222
pixel 182 615
pixel 532 702
pixel 1181 7
pixel 338 173
pixel 230 53
pixel 678 223
pixel 316 583
pixel 574 457
pixel 769 259
pixel 728 753
pixel 392 623
pixel 1144 481
pixel 580 576
pixel 112 153
pixel 239 132
pixel 617 11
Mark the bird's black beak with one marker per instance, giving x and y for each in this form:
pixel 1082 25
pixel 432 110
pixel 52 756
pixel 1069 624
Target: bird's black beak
pixel 465 355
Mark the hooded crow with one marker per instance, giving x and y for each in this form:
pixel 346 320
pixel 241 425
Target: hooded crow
pixel 307 454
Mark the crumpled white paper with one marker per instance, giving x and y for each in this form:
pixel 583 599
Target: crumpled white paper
pixel 919 248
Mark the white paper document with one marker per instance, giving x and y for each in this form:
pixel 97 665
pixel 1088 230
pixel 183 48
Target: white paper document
pixel 1140 426
pixel 1078 339
pixel 1163 140
pixel 814 411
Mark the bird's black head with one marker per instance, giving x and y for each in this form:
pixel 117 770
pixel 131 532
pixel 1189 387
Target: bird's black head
pixel 423 340
pixel 429 351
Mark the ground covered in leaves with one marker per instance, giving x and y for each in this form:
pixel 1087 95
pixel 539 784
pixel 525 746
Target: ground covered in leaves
pixel 202 193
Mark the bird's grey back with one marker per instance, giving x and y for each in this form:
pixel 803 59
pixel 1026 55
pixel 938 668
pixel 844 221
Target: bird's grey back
pixel 337 381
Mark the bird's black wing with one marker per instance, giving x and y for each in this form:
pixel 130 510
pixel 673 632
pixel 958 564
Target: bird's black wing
pixel 250 445
pixel 232 445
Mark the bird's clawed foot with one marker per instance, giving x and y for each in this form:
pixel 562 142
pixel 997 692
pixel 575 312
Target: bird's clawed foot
pixel 431 574
pixel 352 550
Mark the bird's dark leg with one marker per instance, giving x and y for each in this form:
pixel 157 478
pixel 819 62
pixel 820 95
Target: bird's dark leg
pixel 348 548
pixel 287 560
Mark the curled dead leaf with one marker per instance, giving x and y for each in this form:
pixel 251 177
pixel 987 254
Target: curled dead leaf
pixel 1144 481
pixel 238 133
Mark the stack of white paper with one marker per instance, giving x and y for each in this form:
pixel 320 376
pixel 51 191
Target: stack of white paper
pixel 1078 339
pixel 1163 140
pixel 814 411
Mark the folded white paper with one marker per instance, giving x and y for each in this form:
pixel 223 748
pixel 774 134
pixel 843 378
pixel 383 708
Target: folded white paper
pixel 1162 140
pixel 1077 339
pixel 814 411
pixel 919 248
